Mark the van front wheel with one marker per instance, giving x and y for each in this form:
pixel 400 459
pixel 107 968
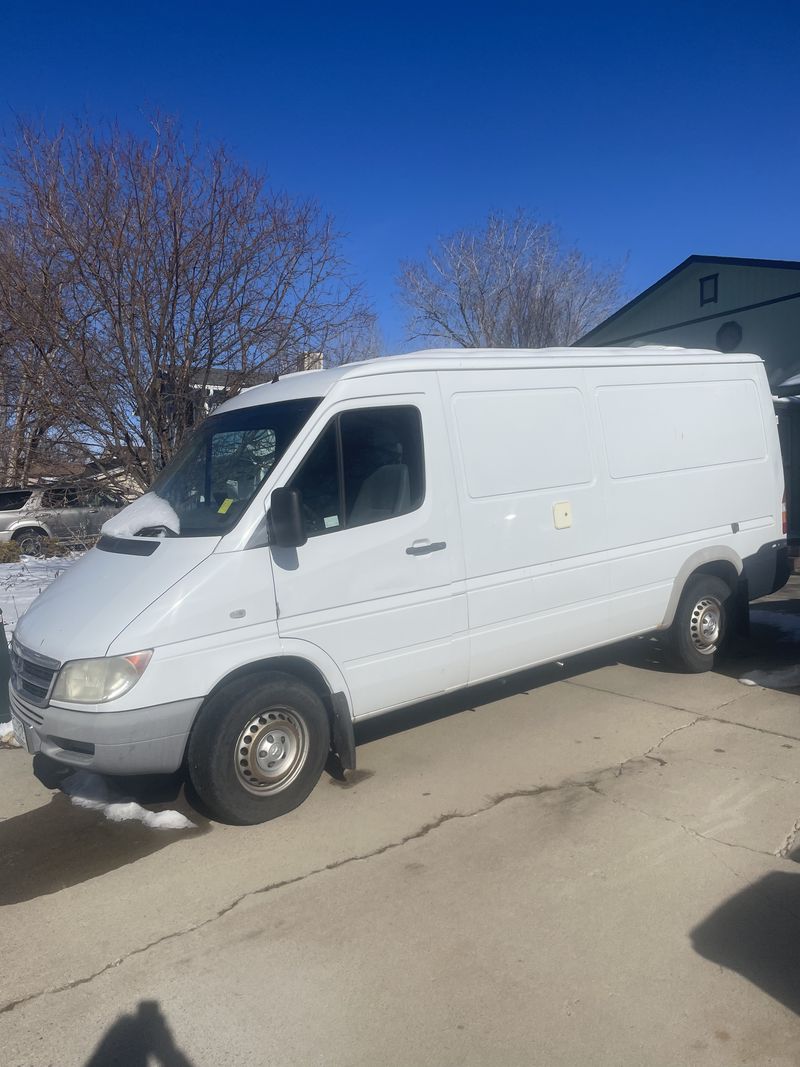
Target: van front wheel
pixel 258 749
pixel 701 625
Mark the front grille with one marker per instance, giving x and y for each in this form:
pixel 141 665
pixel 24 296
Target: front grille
pixel 32 675
pixel 25 712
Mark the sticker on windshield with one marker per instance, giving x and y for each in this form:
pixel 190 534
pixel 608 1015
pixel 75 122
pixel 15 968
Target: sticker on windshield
pixel 226 503
pixel 331 521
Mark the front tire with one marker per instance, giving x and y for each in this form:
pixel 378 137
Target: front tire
pixel 258 749
pixel 701 627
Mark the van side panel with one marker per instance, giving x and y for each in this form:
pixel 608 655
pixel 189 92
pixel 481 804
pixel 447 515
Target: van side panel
pixel 533 514
pixel 689 466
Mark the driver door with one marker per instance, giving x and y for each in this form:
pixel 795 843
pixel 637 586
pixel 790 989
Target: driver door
pixel 379 584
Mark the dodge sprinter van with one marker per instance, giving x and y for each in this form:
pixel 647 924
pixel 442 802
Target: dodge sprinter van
pixel 344 542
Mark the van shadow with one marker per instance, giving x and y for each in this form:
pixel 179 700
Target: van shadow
pixel 641 652
pixel 139 1040
pixel 771 651
pixel 755 933
pixel 59 845
pixel 772 645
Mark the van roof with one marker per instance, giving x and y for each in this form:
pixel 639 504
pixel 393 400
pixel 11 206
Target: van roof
pixel 317 383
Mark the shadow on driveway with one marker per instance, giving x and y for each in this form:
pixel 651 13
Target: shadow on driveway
pixel 139 1040
pixel 59 845
pixel 756 933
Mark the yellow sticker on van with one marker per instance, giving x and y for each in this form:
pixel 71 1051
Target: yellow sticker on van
pixel 225 505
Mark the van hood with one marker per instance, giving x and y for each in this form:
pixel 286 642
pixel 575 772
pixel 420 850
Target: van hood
pixel 87 606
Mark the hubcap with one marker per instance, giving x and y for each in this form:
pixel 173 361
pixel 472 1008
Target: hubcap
pixel 271 751
pixel 706 625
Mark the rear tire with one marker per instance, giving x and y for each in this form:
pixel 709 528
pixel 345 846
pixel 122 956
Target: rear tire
pixel 702 624
pixel 258 749
pixel 30 540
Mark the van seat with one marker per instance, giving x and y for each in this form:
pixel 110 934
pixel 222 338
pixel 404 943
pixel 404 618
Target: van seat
pixel 384 493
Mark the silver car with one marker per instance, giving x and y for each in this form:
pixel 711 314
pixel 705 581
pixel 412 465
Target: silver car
pixel 68 513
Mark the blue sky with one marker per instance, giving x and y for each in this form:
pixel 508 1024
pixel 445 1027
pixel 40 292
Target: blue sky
pixel 643 130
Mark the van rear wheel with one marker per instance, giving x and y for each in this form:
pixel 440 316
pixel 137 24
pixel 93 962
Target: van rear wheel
pixel 701 626
pixel 258 749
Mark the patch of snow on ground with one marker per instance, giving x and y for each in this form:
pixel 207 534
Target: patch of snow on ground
pixel 87 790
pixel 21 583
pixel 7 739
pixel 148 510
pixel 782 678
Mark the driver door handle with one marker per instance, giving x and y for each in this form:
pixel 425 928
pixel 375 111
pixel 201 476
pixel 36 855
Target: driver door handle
pixel 423 548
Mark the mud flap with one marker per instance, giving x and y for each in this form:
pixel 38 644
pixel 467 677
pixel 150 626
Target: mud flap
pixel 343 741
pixel 741 609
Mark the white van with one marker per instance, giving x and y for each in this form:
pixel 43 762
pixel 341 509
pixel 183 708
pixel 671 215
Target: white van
pixel 344 542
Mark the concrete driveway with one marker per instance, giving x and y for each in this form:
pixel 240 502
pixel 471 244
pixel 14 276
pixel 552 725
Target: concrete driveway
pixel 585 865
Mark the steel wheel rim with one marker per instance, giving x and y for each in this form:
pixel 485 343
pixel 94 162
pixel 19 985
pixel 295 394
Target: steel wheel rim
pixel 271 751
pixel 705 625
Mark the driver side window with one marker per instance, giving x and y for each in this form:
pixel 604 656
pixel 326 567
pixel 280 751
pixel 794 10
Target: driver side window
pixel 366 467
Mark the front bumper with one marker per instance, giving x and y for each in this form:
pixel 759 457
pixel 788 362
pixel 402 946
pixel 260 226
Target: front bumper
pixel 141 741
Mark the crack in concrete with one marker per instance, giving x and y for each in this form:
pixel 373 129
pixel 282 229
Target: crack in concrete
pixel 423 831
pixel 430 827
pixel 677 707
pixel 624 696
pixel 748 726
pixel 594 788
pixel 669 733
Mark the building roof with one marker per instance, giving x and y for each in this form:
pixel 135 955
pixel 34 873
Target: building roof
pixel 728 261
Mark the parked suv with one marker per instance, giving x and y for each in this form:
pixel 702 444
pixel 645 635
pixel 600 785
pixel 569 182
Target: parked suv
pixel 69 513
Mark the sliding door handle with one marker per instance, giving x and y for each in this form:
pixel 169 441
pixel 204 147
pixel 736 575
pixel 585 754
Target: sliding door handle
pixel 423 548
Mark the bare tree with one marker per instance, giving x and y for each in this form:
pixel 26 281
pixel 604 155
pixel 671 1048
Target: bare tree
pixel 363 341
pixel 131 268
pixel 29 417
pixel 509 285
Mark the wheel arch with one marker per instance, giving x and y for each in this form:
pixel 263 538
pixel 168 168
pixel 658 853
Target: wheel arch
pixel 718 560
pixel 30 527
pixel 335 700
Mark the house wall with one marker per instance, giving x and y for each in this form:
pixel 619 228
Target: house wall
pixel 673 314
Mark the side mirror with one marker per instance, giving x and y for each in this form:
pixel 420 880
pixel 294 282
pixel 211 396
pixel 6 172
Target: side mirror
pixel 286 518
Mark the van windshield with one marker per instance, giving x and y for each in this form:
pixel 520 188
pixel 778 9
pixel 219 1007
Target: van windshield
pixel 213 478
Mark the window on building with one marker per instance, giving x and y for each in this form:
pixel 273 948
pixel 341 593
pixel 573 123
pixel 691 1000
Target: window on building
pixel 709 289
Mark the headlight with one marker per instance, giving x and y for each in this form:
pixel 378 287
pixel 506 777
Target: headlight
pixel 94 681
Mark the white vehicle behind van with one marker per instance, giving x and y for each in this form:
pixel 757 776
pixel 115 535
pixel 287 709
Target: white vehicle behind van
pixel 345 542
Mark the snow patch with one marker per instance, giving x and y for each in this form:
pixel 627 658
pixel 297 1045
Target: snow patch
pixel 148 510
pixel 783 678
pixel 21 583
pixel 87 790
pixel 7 739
